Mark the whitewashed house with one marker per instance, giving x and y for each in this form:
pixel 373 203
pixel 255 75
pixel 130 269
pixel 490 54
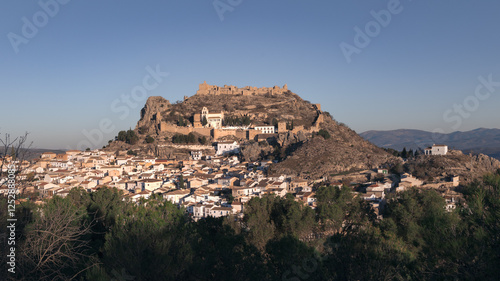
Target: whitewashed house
pixel 437 149
pixel 224 147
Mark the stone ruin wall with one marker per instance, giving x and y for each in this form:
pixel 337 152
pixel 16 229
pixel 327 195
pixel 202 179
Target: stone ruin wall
pixel 219 133
pixel 205 89
pixel 172 128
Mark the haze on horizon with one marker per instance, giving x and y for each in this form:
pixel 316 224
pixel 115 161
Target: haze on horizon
pixel 427 66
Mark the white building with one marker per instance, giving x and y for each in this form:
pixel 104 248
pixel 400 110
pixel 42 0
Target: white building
pixel 196 155
pixel 265 129
pixel 437 149
pixel 227 147
pixel 214 120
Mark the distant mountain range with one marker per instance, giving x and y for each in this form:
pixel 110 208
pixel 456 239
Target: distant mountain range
pixel 486 141
pixel 36 152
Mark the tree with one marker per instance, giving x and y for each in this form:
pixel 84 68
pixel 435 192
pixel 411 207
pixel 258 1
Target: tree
pixel 397 169
pixel 191 138
pixel 19 149
pixel 404 153
pixel 122 136
pixel 291 259
pixel 131 137
pixel 324 133
pixel 55 248
pixel 338 210
pixel 204 121
pixel 411 154
pixel 149 139
pixel 257 219
pixel 150 240
pixel 218 248
pixel 273 217
pixel 181 122
pixel 202 140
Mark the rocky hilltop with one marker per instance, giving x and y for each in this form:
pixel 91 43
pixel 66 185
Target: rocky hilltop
pixel 467 166
pixel 296 142
pixel 344 151
pixel 276 124
pixel 262 106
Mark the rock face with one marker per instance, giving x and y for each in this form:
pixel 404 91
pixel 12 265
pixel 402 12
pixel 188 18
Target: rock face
pixel 151 114
pixel 290 138
pixel 251 152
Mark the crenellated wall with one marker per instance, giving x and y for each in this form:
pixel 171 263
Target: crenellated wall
pixel 206 89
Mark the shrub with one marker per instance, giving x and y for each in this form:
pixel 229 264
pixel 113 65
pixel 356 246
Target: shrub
pixel 149 139
pixel 324 134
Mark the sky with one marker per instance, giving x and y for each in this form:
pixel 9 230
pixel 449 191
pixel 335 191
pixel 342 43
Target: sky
pixel 74 73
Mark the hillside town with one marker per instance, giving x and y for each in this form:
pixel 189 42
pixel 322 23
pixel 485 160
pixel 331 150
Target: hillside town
pixel 214 184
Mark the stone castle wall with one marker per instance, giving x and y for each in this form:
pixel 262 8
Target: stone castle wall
pixel 171 128
pixel 239 133
pixel 252 134
pixel 206 89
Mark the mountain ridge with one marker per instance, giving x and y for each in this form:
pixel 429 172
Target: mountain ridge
pixel 480 140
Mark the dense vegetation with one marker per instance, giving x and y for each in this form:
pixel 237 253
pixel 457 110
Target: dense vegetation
pixel 98 236
pixel 128 136
pixel 188 139
pixel 237 120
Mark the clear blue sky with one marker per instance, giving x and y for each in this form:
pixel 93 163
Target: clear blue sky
pixel 89 53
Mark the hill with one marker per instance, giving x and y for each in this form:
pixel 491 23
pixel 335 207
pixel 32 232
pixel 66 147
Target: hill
pixel 344 151
pixel 467 166
pixel 307 141
pixel 486 141
pixel 296 144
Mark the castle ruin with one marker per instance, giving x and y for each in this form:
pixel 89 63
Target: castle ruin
pixel 206 89
pixel 211 124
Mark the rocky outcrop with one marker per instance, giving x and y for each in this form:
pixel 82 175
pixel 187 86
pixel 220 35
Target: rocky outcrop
pixel 344 151
pixel 290 138
pixel 468 167
pixel 151 114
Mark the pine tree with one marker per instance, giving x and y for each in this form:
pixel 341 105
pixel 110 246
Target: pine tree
pixel 404 153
